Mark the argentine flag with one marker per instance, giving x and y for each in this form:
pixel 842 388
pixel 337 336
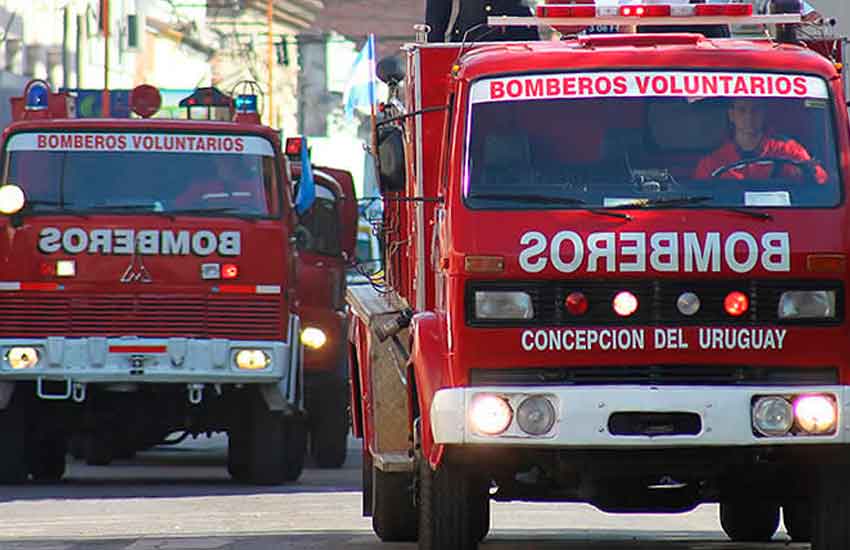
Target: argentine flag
pixel 359 90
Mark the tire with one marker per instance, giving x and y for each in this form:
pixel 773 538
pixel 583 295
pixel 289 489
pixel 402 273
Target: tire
pixel 483 518
pixel 394 516
pixel 98 449
pixel 450 508
pixel 366 484
pixel 13 459
pixel 798 520
pixel 749 521
pixel 831 507
pixel 295 446
pixel 47 458
pixel 329 431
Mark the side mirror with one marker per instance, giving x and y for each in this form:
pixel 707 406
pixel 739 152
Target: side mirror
pixel 392 172
pixel 390 70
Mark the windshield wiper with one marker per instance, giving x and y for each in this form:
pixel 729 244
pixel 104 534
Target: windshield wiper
pixel 216 210
pixel 549 199
pixel 130 207
pixel 60 208
pixel 696 199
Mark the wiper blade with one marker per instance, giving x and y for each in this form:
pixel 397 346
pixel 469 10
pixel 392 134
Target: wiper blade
pixel 126 207
pixel 550 199
pixel 527 198
pixel 217 210
pixel 60 208
pixel 697 199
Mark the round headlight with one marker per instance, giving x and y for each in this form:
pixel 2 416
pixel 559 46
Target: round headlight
pixel 252 359
pixel 536 415
pixel 313 337
pixel 490 414
pixel 815 414
pixel 22 358
pixel 11 199
pixel 773 416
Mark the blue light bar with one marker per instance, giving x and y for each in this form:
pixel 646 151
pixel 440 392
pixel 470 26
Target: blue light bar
pixel 246 104
pixel 37 97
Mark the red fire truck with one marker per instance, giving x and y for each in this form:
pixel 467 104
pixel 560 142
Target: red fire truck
pixel 146 285
pixel 325 238
pixel 616 274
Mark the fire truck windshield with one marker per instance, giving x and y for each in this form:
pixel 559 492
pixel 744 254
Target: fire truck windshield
pixel 108 180
pixel 620 140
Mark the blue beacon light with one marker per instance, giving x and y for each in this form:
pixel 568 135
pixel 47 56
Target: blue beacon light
pixel 37 97
pixel 246 104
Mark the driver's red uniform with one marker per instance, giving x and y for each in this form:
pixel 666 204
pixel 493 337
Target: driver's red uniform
pixel 730 153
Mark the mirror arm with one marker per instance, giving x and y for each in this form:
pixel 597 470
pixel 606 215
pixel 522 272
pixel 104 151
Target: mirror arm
pixel 408 115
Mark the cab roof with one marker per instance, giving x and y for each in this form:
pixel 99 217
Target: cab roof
pixel 641 51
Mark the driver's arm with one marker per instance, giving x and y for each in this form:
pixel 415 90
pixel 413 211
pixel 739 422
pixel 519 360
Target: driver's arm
pixel 793 150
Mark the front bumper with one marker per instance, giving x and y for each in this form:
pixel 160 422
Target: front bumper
pixel 583 416
pixel 156 360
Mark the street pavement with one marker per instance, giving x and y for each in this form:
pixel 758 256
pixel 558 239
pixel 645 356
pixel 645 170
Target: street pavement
pixel 180 498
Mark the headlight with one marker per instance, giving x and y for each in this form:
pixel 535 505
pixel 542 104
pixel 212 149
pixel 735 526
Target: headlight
pixel 12 199
pixel 313 337
pixel 252 359
pixel 773 416
pixel 490 414
pixel 490 304
pixel 22 358
pixel 807 304
pixel 816 414
pixel 536 415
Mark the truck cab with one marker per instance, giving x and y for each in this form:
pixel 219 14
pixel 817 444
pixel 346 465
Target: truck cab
pixel 147 286
pixel 620 280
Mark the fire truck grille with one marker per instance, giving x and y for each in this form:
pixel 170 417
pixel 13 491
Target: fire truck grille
pixel 656 302
pixel 692 375
pixel 35 315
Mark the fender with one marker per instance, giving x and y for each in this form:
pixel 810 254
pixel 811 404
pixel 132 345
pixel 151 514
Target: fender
pixel 429 360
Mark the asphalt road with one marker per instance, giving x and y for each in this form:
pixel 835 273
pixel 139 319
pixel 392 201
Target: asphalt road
pixel 180 498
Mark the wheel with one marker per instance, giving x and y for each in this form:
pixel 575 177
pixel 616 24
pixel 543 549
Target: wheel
pixel 77 446
pixel 98 449
pixel 295 446
pixel 259 444
pixel 329 430
pixel 831 507
pixel 13 459
pixel 450 508
pixel 749 521
pixel 394 517
pixel 47 458
pixel 483 507
pixel 798 520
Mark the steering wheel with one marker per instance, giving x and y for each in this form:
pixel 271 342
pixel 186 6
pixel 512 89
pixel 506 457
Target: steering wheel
pixel 806 167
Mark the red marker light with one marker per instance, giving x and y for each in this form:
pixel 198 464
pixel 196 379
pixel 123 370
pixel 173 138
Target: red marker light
pixel 47 269
pixel 625 303
pixel 229 271
pixel 645 11
pixel 576 303
pixel 736 303
pixel 293 147
pixel 145 100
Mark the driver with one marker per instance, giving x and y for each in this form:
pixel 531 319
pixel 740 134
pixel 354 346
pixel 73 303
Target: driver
pixel 751 141
pixel 232 183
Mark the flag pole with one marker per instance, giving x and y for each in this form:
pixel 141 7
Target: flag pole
pixel 372 103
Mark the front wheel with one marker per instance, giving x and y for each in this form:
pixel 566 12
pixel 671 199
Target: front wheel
pixel 394 517
pixel 329 428
pixel 831 510
pixel 749 521
pixel 451 508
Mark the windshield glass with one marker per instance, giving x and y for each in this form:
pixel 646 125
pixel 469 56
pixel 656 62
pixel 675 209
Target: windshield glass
pixel 630 139
pixel 140 173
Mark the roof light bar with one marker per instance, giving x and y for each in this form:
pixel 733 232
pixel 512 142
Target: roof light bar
pixel 649 10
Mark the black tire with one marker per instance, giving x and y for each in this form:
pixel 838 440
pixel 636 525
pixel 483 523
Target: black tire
pixel 450 508
pixel 394 516
pixel 831 507
pixel 366 483
pixel 47 458
pixel 798 520
pixel 98 449
pixel 295 446
pixel 13 459
pixel 266 445
pixel 329 430
pixel 749 521
pixel 482 521
pixel 238 448
pixel 77 446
